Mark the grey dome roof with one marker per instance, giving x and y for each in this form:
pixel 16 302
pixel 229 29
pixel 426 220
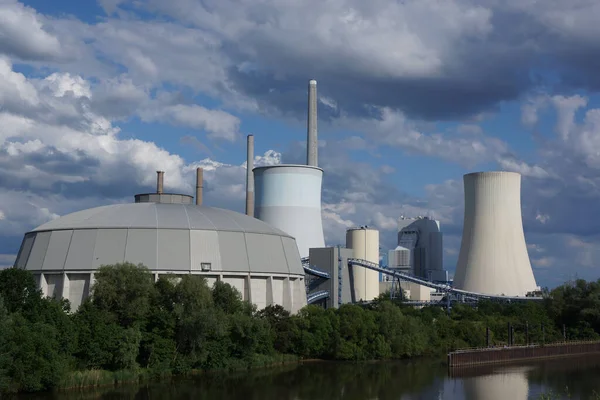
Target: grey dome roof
pixel 160 216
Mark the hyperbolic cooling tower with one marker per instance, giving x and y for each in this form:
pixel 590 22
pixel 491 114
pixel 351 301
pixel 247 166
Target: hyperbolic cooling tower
pixel 364 243
pixel 288 197
pixel 493 255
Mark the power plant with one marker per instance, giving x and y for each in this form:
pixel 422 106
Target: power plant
pixel 493 255
pixel 276 253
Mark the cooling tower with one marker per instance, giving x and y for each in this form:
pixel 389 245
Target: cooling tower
pixel 288 197
pixel 364 243
pixel 493 255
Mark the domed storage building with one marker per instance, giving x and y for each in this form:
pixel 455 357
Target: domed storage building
pixel 169 235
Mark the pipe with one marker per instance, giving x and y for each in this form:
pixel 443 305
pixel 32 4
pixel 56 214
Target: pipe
pixel 199 187
pixel 311 139
pixel 159 181
pixel 250 177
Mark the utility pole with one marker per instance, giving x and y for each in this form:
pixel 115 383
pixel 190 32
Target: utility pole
pixel 512 335
pixel 487 336
pixel 543 334
pixel 527 333
pixel 564 333
pixel 509 334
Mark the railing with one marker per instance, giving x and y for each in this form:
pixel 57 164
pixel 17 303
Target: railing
pixel 494 355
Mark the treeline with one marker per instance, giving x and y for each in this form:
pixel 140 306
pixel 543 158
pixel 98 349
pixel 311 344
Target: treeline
pixel 133 327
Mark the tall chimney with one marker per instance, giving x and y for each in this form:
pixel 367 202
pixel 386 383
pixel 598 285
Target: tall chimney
pixel 199 181
pixel 311 142
pixel 159 181
pixel 250 177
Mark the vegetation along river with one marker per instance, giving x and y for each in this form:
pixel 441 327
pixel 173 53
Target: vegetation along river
pixel 416 380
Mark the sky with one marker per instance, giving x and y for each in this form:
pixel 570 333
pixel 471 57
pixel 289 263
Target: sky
pixel 95 96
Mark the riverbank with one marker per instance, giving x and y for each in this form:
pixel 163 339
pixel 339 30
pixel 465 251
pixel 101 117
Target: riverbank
pixel 90 379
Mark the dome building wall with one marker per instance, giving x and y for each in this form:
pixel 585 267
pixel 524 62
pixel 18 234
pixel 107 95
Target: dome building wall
pixel 262 262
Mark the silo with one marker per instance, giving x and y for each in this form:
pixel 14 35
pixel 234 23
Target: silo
pixel 493 255
pixel 288 197
pixel 364 243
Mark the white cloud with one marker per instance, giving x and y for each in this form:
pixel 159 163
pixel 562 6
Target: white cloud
pixel 22 33
pixel 218 124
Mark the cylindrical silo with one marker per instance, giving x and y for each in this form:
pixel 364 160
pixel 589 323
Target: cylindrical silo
pixel 493 255
pixel 364 243
pixel 288 197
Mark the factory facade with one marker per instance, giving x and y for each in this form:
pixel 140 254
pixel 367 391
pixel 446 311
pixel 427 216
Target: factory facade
pixel 420 249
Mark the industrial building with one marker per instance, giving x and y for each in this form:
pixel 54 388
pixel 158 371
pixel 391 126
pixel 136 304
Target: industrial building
pixel 169 235
pixel 493 256
pixel 420 249
pixel 333 261
pixel 332 282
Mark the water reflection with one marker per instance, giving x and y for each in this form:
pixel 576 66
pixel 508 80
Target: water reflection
pixel 422 380
pixel 510 383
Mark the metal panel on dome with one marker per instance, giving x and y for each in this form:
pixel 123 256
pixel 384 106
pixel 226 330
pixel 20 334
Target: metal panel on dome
pixel 57 250
pixel 220 220
pixel 25 250
pixel 173 249
pixel 292 255
pixel 266 253
pixel 234 256
pixel 198 220
pixel 81 251
pixel 38 252
pixel 141 247
pixel 110 247
pixel 205 249
pixel 171 216
pixel 248 224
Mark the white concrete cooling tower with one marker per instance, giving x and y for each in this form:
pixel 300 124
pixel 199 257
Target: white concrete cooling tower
pixel 493 255
pixel 288 197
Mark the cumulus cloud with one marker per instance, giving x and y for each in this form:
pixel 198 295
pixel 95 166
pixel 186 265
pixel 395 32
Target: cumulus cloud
pixel 389 72
pixel 23 34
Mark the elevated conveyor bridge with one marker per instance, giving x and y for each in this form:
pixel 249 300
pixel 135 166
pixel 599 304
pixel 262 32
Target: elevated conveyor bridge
pixel 444 288
pixel 319 275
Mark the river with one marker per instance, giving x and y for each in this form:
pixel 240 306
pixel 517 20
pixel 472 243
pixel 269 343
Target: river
pixel 416 380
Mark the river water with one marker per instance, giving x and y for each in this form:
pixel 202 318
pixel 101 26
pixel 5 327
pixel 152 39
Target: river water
pixel 417 380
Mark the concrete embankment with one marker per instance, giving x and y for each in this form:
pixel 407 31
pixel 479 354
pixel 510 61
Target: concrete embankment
pixel 496 355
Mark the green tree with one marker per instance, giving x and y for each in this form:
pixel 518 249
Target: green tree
pixel 17 288
pixel 227 298
pixel 124 290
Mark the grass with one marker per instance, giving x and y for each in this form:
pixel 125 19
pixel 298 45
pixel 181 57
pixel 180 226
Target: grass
pixel 96 377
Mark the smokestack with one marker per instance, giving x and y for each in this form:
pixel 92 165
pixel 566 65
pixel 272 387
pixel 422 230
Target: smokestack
pixel 159 181
pixel 199 181
pixel 311 142
pixel 250 177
